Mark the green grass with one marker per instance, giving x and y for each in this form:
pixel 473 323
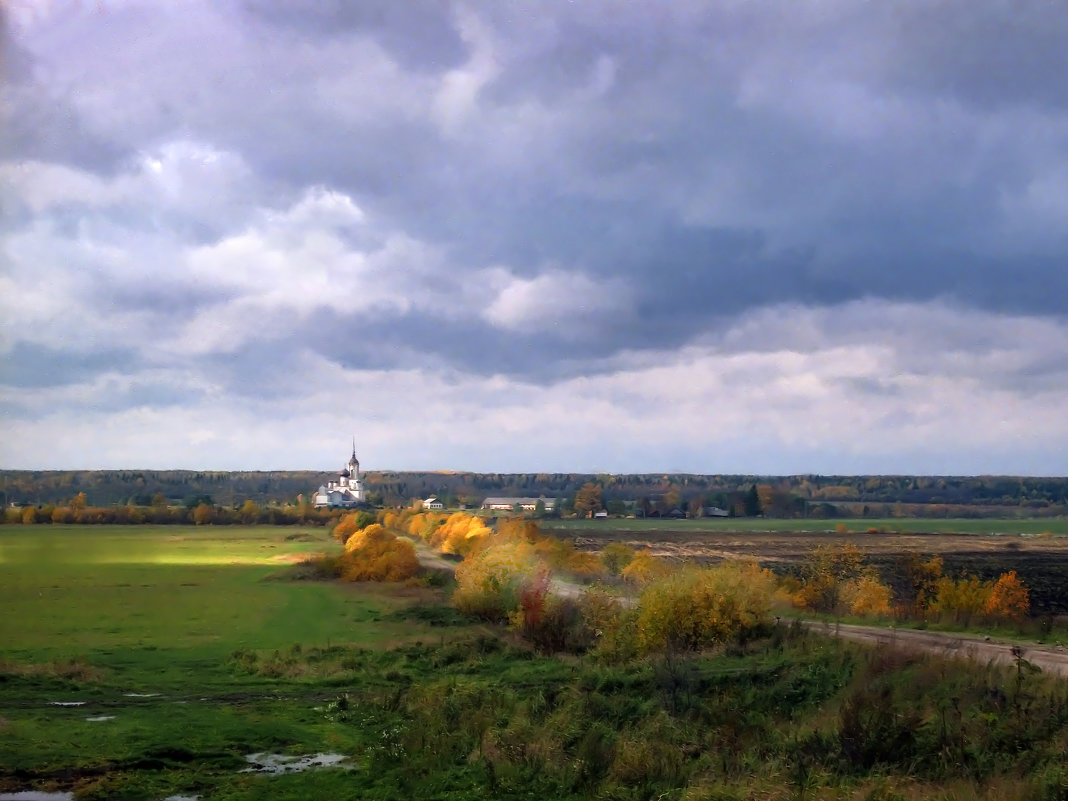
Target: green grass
pixel 93 613
pixel 1030 527
pixel 69 590
pixel 243 659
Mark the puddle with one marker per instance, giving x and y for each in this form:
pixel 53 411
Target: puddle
pixel 143 695
pixel 66 703
pixel 182 798
pixel 281 763
pixel 99 718
pixel 36 795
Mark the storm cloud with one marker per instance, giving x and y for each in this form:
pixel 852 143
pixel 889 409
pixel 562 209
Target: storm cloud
pixel 701 236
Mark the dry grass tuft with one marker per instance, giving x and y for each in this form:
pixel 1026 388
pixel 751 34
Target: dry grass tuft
pixel 73 669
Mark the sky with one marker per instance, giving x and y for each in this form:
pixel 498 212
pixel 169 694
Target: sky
pixel 741 236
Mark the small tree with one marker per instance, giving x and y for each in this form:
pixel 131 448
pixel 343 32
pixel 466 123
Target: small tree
pixel 588 499
pixel 250 512
pixel 616 556
pixel 203 515
pixel 752 502
pixel 1010 598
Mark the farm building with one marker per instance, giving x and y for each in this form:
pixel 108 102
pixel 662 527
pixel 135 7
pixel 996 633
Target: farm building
pixel 526 504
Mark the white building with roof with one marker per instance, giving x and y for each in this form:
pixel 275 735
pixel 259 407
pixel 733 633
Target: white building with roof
pixel 347 491
pixel 526 504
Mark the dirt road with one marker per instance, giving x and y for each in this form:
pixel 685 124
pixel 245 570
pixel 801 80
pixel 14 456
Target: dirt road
pixel 1051 659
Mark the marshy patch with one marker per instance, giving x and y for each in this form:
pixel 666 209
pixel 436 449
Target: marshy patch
pixel 277 764
pixel 66 703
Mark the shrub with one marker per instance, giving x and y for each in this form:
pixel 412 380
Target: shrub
pixel 374 554
pixel 616 556
pixel 644 568
pixel 489 583
pixel 695 608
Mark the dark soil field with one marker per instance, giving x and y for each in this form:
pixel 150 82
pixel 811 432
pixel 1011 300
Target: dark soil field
pixel 1040 561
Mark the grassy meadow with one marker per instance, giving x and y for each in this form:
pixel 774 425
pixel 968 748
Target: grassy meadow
pixel 142 663
pixel 142 625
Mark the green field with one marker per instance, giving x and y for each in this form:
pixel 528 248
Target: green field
pixel 1022 526
pixel 142 663
pixel 194 643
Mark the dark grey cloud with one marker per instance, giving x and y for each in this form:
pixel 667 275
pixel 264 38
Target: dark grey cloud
pixel 544 192
pixel 29 365
pixel 419 34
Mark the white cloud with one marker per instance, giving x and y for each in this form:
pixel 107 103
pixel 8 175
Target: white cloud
pixel 564 303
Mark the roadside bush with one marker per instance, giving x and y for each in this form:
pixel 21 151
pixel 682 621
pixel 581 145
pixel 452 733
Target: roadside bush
pixel 489 583
pixel 695 608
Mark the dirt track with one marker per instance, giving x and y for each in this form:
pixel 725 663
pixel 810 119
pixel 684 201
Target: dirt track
pixel 1051 659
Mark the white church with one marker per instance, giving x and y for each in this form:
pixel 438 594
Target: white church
pixel 347 491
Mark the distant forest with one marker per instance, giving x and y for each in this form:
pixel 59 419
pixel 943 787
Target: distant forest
pixel 779 496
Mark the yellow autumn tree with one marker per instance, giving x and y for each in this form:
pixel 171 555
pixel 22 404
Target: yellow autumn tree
pixel 961 600
pixel 826 573
pixel 867 596
pixel 1009 598
pixel 203 514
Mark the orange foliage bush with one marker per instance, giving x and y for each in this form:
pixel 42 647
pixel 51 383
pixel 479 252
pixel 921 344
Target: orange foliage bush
pixel 374 554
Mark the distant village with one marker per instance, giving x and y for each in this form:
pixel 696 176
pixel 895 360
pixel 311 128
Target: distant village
pixel 347 492
pixel 297 496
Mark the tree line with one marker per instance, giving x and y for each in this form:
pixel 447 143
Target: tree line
pixel 199 511
pixel 779 496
